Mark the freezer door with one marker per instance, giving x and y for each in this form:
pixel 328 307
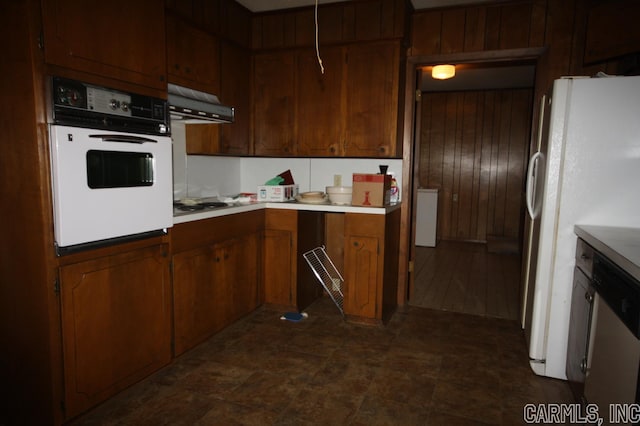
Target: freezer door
pixel 534 197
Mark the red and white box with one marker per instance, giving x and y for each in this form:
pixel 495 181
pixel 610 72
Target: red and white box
pixel 277 193
pixel 372 190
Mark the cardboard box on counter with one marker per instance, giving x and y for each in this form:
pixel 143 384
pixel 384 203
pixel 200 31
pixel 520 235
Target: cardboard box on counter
pixel 371 190
pixel 277 193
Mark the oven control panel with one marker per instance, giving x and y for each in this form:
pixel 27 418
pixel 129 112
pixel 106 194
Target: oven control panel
pixel 76 103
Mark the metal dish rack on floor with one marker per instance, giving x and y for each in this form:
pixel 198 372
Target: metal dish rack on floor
pixel 327 274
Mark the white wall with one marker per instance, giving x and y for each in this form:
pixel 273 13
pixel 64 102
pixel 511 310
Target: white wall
pixel 210 175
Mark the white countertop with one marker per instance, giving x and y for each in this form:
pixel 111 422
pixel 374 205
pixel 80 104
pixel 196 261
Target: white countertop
pixel 182 217
pixel 620 245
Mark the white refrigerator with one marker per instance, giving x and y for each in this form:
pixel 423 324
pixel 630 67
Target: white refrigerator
pixel 584 170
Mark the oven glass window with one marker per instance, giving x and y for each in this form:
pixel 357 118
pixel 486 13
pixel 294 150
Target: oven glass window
pixel 116 169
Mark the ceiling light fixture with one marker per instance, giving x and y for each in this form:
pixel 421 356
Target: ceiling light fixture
pixel 443 72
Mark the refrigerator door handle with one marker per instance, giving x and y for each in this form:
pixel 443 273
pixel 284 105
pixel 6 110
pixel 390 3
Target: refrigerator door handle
pixel 531 184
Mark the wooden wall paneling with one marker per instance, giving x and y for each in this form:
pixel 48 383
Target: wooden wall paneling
pixel 448 163
pixel 368 20
pixel 538 23
pixel 330 23
pixel 504 141
pixel 492 30
pixel 348 23
pixel 452 35
pixel 474 27
pixel 289 31
pixel 520 129
pixel 256 32
pixel 387 26
pixel 272 31
pixel 425 33
pixel 31 373
pixel 612 30
pixel 207 14
pixel 305 28
pixel 477 167
pixel 473 149
pixel 515 25
pixel 180 7
pixel 235 24
pixel 467 165
pixel 484 192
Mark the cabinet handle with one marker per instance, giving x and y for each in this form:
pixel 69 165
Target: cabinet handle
pixel 356 244
pixel 217 258
pixel 584 257
pixel 583 365
pixel 589 297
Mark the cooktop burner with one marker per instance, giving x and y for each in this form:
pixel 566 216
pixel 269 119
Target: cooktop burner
pixel 213 204
pixel 198 206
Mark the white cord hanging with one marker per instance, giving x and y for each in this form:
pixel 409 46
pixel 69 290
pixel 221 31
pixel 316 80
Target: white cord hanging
pixel 317 47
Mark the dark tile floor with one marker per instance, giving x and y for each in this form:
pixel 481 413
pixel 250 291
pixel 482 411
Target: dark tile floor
pixel 425 367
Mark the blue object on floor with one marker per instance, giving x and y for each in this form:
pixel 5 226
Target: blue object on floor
pixel 294 316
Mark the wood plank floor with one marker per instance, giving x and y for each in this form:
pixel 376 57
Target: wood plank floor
pixel 464 277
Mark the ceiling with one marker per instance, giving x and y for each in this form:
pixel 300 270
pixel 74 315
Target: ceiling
pixel 265 5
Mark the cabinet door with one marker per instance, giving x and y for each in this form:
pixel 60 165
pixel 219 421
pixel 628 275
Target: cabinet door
pixel 202 138
pixel 320 113
pixel 116 323
pixel 280 251
pixel 372 99
pixel 117 39
pixel 579 325
pixel 274 104
pixel 241 274
pixel 279 280
pixel 198 291
pixel 193 57
pixel 361 280
pixel 235 83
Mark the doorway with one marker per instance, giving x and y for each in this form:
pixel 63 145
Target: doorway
pixel 471 142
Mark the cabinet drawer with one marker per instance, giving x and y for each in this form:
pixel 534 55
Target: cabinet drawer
pixel 584 257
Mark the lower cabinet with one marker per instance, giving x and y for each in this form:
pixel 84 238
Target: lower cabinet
pixel 289 283
pixel 582 297
pixel 280 252
pixel 116 323
pixel 371 245
pixel 216 280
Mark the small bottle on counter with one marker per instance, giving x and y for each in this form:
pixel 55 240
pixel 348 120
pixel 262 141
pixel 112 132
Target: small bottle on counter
pixel 395 191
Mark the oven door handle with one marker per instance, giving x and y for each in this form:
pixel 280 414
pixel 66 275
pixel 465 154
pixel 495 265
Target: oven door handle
pixel 123 138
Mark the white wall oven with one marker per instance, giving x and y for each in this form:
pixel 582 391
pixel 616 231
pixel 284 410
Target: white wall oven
pixel 110 164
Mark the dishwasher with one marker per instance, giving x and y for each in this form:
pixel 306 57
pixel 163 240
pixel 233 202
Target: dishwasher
pixel 614 345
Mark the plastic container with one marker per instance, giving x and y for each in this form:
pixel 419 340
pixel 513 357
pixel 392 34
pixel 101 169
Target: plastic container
pixel 340 195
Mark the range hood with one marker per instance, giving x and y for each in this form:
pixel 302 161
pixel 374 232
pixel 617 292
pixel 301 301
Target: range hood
pixel 192 106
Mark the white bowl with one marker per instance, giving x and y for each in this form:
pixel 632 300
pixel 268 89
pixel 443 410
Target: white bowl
pixel 340 195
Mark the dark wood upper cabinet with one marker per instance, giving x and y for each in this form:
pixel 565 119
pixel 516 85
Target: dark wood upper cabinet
pixel 320 103
pixel 118 39
pixel 273 103
pixel 235 90
pixel 372 100
pixel 193 57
